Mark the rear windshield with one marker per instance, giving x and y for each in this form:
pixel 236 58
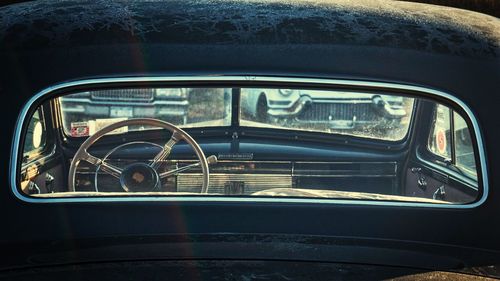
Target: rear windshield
pixel 252 142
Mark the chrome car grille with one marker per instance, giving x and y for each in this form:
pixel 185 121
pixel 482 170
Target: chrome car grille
pixel 337 111
pixel 124 95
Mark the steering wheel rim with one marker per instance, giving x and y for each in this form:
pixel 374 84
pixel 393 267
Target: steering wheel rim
pixel 177 135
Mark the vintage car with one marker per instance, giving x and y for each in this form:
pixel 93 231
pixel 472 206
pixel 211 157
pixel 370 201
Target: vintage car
pixel 170 104
pixel 332 110
pixel 372 157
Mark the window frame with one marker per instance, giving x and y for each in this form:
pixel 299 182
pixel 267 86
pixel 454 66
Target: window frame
pixel 250 81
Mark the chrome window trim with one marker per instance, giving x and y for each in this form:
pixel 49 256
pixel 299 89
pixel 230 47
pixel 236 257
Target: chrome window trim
pixel 13 169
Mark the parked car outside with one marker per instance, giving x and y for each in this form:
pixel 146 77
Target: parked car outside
pixel 161 103
pixel 354 113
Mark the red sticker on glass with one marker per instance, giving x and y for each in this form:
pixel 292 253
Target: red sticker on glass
pixel 441 141
pixel 80 129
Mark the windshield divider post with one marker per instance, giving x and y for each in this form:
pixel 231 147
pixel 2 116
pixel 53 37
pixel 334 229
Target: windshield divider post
pixel 235 111
pixel 452 137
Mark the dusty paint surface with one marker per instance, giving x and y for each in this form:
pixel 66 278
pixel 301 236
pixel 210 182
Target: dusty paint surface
pixel 227 270
pixel 379 23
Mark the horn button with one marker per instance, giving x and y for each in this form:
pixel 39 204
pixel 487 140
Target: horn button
pixel 139 177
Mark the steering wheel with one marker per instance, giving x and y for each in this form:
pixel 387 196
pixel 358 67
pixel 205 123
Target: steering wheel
pixel 141 176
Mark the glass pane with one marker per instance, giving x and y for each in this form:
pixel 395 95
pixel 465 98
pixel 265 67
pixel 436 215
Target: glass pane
pixel 439 139
pixel 367 115
pixel 464 151
pixel 35 136
pixel 86 112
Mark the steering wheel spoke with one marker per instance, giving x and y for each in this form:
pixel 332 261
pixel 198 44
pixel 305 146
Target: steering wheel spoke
pixel 210 160
pixel 111 169
pixel 165 152
pixel 106 167
pixel 90 158
pixel 178 170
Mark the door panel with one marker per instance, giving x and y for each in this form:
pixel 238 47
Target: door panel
pixel 423 181
pixel 46 177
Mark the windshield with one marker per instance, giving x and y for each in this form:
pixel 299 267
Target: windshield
pixel 360 114
pixel 87 112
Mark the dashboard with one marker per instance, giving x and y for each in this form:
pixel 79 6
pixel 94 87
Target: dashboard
pixel 253 166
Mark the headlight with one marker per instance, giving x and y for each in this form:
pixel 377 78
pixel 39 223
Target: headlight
pixel 171 93
pixel 286 92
